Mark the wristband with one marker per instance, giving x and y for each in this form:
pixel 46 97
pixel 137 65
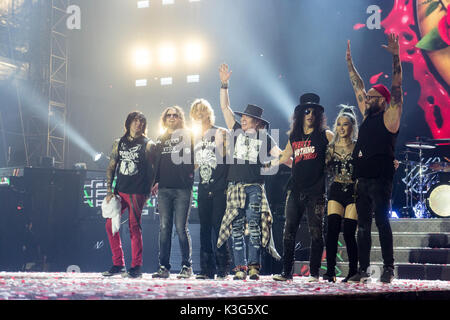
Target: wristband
pixel 224 86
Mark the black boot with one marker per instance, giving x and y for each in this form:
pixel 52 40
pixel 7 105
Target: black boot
pixel 352 247
pixel 333 230
pixel 206 266
pixel 223 261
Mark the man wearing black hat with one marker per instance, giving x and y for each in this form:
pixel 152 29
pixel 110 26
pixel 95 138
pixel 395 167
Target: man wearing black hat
pixel 251 146
pixel 308 140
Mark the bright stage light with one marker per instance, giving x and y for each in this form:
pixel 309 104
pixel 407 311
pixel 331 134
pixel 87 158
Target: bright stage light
pixel 143 4
pixel 192 78
pixel 196 128
pixel 194 0
pixel 142 58
pixel 166 81
pixel 166 2
pixel 141 83
pixel 98 156
pixel 193 52
pixel 167 55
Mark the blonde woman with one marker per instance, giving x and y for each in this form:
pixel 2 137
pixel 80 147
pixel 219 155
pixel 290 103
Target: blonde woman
pixel 341 200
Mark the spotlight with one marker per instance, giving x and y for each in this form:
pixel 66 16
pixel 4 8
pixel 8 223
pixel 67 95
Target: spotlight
pixel 143 4
pixel 394 214
pixel 166 81
pixel 101 161
pixel 167 55
pixel 98 156
pixel 193 52
pixel 142 58
pixel 141 83
pixel 166 2
pixel 192 78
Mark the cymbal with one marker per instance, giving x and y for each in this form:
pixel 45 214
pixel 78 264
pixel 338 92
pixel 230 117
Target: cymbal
pixel 436 141
pixel 420 145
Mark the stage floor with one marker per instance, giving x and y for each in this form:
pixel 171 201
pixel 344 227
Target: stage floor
pixel 92 286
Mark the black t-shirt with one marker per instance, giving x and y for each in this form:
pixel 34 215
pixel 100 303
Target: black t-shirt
pixel 176 164
pixel 248 154
pixel 374 150
pixel 132 167
pixel 212 166
pixel 308 167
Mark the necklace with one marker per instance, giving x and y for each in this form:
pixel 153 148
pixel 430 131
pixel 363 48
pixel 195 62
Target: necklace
pixel 306 137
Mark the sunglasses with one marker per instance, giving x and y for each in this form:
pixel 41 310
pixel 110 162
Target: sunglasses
pixel 308 111
pixel 172 115
pixel 370 97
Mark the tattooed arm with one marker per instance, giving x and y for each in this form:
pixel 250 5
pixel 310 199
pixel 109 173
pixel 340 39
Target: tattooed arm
pixel 394 110
pixel 357 82
pixel 111 170
pixel 284 156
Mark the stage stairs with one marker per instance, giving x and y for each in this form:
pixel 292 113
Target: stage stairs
pixel 421 251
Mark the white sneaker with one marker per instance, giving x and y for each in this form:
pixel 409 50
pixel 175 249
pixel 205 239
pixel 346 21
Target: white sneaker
pixel 312 279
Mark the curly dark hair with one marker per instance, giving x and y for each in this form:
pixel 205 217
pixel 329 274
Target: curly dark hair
pixel 298 119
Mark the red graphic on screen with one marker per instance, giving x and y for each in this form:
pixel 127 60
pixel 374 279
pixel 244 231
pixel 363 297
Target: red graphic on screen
pixel 433 95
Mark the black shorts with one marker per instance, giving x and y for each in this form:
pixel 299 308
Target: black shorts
pixel 337 193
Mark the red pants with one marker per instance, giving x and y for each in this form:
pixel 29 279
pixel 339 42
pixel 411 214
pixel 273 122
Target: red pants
pixel 134 203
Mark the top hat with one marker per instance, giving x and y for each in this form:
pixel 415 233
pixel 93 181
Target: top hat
pixel 309 100
pixel 254 112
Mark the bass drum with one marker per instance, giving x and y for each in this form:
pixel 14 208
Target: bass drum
pixel 438 200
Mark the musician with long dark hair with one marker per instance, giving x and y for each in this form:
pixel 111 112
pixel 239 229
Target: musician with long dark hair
pixel 308 140
pixel 131 163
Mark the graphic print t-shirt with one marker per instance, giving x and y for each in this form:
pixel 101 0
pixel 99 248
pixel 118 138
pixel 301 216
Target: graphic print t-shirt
pixel 308 167
pixel 178 175
pixel 132 166
pixel 211 165
pixel 247 153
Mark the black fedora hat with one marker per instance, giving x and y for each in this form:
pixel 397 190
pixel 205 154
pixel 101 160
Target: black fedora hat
pixel 254 112
pixel 309 100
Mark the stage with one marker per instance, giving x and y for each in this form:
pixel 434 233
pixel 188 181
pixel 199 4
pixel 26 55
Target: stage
pixel 93 286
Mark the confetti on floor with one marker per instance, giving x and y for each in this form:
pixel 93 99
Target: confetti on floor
pixel 92 286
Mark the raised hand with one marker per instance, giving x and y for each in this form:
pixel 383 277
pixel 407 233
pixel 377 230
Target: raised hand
pixel 393 45
pixel 349 53
pixel 224 73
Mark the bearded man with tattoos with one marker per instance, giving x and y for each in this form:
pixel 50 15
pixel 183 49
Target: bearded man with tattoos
pixel 374 161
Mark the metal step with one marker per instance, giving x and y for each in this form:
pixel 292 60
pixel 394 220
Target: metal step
pixel 412 239
pixel 417 225
pixel 401 270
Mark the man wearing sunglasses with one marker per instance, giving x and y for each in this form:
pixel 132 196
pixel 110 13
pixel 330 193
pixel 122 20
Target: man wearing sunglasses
pixel 374 160
pixel 308 140
pixel 175 177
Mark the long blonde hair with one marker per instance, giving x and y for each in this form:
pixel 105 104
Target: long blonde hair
pixel 202 107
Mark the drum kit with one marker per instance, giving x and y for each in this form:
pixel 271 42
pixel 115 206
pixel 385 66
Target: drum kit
pixel 427 192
